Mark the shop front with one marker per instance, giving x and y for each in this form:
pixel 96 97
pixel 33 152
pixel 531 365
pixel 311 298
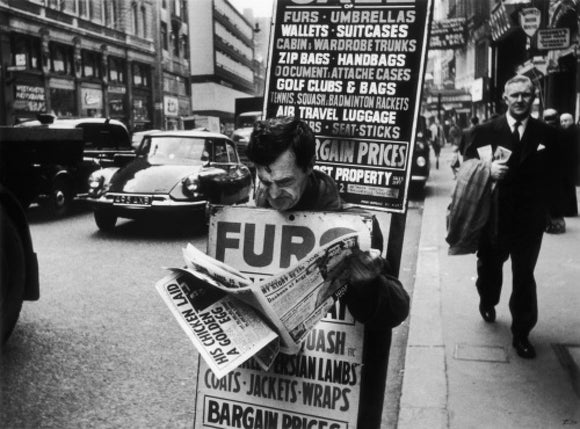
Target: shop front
pixel 62 98
pixel 141 111
pixel 171 112
pixel 91 101
pixel 117 100
pixel 29 99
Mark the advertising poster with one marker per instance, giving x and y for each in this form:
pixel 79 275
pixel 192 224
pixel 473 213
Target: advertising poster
pixel 318 387
pixel 353 70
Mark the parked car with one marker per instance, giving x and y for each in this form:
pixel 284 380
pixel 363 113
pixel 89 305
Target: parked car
pixel 106 143
pixel 173 173
pixel 420 166
pixel 24 155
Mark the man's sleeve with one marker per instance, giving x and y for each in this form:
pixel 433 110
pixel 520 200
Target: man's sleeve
pixel 381 304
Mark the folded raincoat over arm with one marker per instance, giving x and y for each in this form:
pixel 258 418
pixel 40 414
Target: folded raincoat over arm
pixel 469 210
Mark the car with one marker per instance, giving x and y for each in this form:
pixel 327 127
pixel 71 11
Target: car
pixel 173 173
pixel 241 135
pixel 106 143
pixel 137 137
pixel 420 166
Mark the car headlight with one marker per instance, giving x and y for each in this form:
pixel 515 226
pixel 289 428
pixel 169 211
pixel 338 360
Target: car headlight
pixel 96 184
pixel 191 185
pixel 421 161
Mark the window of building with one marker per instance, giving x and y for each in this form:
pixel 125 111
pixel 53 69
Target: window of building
pixel 84 8
pixel 185 47
pixel 116 70
pixel 177 8
pixel 141 75
pixel 134 18
pixel 164 4
pixel 110 12
pixel 56 4
pixel 26 52
pixel 144 28
pixel 91 64
pixel 176 41
pixel 164 44
pixel 61 59
pixel 96 10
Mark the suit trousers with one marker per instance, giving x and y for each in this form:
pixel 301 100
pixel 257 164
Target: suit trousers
pixel 491 256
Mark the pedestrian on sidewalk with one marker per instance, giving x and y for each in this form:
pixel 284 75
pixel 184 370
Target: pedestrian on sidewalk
pixel 435 139
pixel 522 185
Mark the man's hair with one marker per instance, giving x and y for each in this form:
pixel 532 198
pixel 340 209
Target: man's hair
pixel 474 120
pixel 520 78
pixel 272 137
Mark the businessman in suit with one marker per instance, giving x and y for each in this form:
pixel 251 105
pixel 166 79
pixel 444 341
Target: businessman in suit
pixel 520 200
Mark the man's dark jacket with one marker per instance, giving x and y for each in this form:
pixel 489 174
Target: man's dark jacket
pixel 528 189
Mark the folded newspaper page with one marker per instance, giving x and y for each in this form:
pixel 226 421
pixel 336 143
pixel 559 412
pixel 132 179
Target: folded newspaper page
pixel 229 319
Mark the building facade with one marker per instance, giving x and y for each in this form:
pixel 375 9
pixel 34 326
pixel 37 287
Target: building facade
pixel 76 58
pixel 222 59
pixel 538 38
pixel 172 89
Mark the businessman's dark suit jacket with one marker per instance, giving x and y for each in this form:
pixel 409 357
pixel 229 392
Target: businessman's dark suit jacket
pixel 518 215
pixel 532 181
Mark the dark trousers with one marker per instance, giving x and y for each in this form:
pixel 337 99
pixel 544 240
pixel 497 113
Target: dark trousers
pixel 523 301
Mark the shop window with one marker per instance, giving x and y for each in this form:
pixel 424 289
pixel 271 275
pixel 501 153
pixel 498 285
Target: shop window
pixel 26 52
pixel 164 43
pixel 61 59
pixel 91 64
pixel 116 70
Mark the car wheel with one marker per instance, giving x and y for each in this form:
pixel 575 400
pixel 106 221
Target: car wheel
pixel 13 275
pixel 105 220
pixel 60 198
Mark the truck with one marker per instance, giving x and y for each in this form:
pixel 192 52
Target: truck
pixel 25 153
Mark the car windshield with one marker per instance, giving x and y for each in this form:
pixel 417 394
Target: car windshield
pixel 174 150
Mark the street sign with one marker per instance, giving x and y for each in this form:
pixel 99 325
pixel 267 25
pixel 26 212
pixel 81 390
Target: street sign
pixel 553 38
pixel 530 19
pixel 447 34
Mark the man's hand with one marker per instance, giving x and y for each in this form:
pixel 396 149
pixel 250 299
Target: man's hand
pixel 364 267
pixel 498 170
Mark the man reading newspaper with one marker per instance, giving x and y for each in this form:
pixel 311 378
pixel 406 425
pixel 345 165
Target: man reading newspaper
pixel 283 151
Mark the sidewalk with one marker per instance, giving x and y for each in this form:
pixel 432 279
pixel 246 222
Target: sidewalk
pixel 461 372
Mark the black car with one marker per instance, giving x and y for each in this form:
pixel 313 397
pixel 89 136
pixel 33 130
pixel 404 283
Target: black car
pixel 173 173
pixel 106 143
pixel 420 166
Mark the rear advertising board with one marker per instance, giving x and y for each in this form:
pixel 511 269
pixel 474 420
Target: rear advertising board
pixel 353 70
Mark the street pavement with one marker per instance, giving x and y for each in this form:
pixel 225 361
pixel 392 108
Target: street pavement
pixel 461 372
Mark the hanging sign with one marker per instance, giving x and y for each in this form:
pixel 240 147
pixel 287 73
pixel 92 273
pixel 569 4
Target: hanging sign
pixel 530 19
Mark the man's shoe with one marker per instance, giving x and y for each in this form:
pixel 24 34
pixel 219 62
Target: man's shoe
pixel 524 348
pixel 488 313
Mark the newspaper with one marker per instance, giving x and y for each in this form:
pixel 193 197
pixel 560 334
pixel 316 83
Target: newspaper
pixel 230 319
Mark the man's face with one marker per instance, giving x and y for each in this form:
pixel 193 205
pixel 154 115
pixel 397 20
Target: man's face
pixel 519 97
pixel 283 181
pixel 566 121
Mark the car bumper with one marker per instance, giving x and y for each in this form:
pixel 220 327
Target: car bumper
pixel 159 205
